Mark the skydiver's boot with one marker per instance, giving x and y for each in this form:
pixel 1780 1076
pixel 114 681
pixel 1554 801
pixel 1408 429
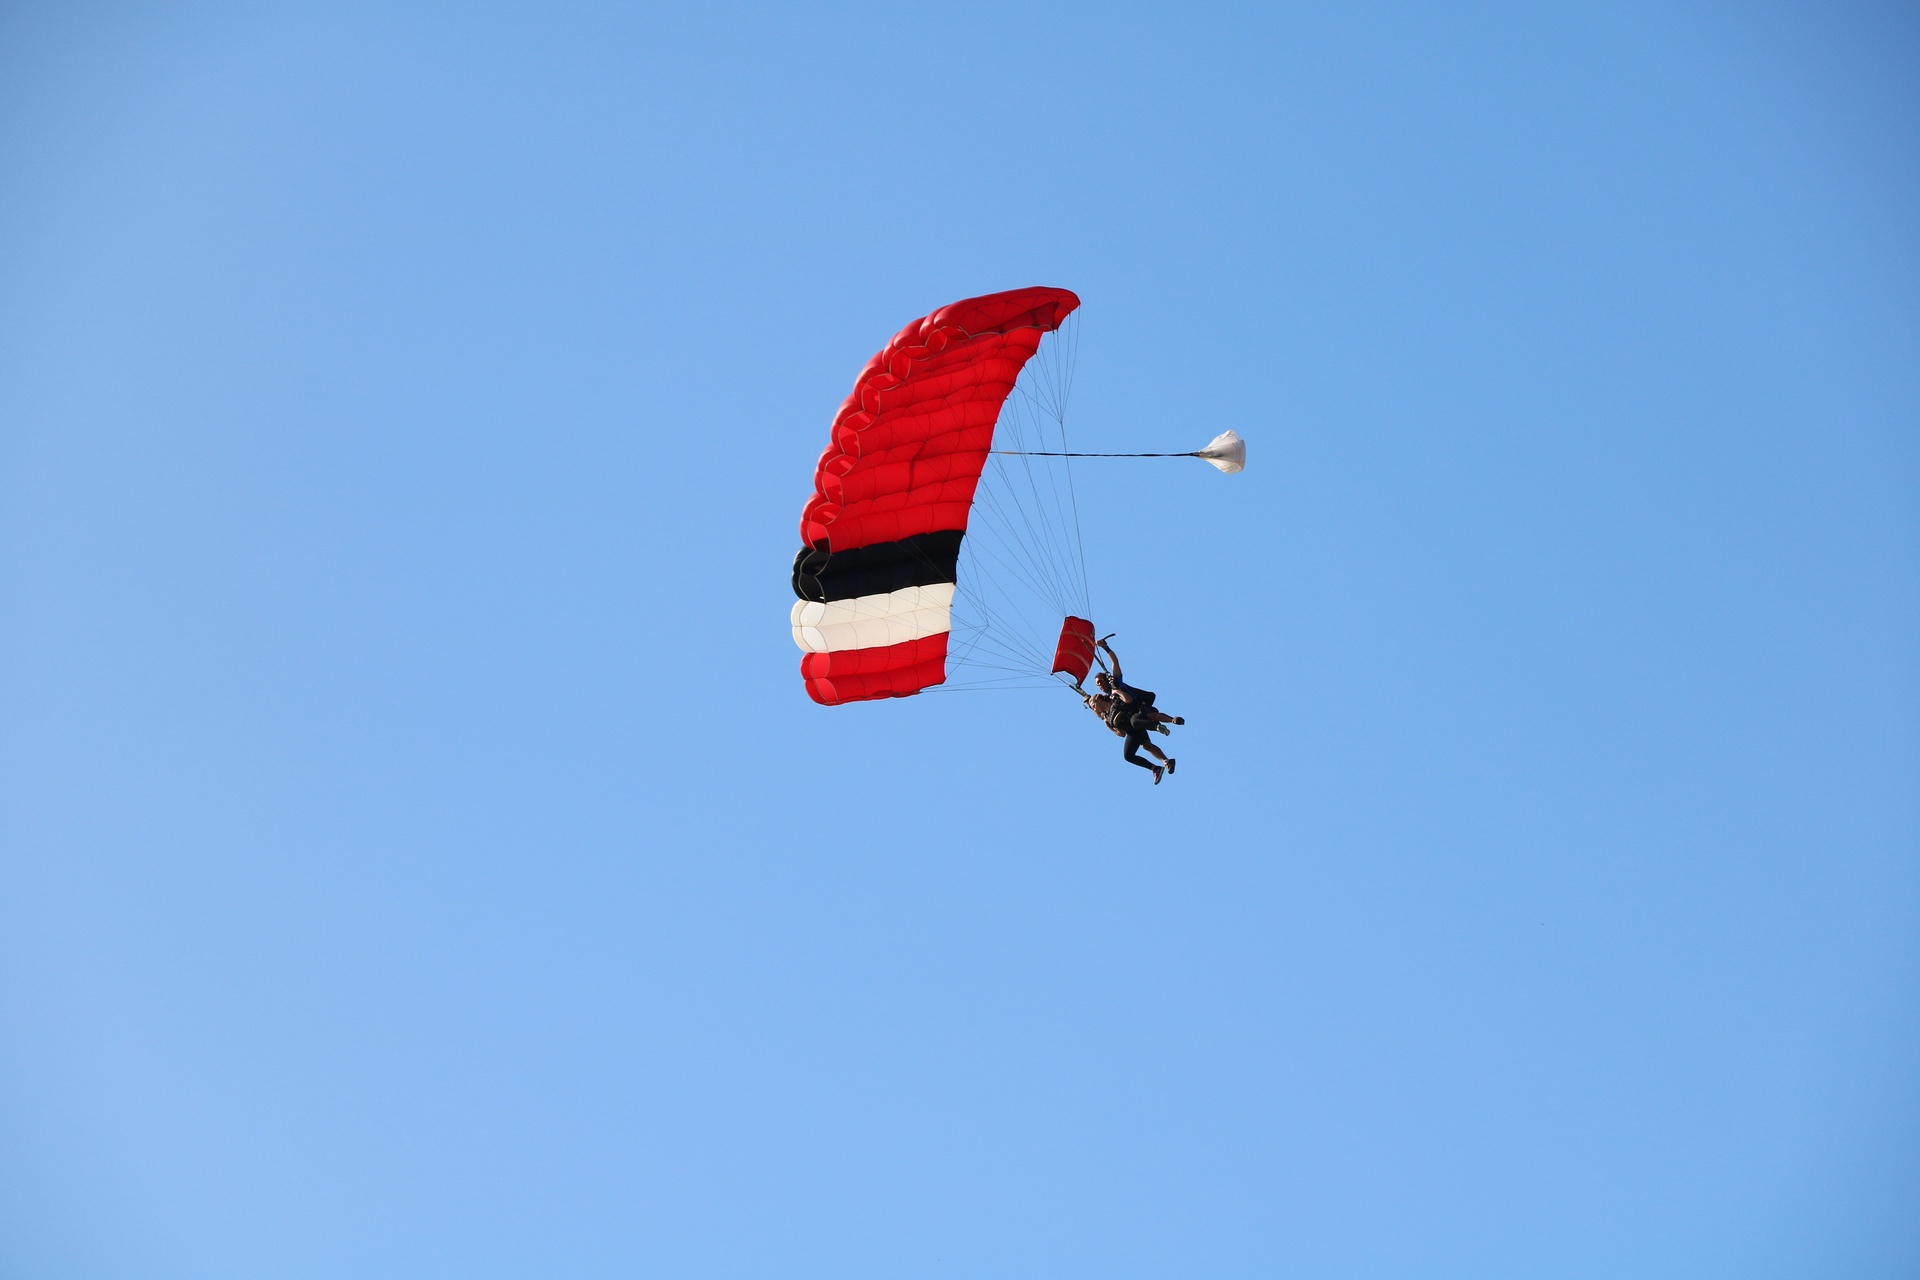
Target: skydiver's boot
pixel 1157 771
pixel 1179 719
pixel 1170 763
pixel 1160 728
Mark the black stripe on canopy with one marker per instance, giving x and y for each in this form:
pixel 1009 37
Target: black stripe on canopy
pixel 919 561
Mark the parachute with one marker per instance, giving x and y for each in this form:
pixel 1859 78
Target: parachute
pixel 881 611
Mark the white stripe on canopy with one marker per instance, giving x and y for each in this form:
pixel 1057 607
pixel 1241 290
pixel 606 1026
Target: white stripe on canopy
pixel 868 622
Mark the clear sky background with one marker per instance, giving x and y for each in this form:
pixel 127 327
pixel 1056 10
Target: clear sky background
pixel 420 858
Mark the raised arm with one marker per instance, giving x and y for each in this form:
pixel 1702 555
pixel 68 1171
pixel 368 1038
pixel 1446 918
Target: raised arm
pixel 1117 677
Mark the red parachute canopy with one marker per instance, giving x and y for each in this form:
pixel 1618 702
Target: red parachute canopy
pixel 893 490
pixel 909 441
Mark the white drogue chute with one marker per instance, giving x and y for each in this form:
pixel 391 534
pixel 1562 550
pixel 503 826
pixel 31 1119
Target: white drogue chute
pixel 1227 451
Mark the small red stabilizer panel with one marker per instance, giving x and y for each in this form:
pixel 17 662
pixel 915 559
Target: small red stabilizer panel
pixel 1074 653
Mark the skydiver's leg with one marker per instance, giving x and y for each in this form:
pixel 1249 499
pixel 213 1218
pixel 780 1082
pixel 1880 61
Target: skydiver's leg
pixel 1147 720
pixel 1137 742
pixel 1131 755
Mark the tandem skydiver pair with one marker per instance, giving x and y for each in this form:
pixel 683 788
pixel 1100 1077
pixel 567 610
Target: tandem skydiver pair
pixel 1130 713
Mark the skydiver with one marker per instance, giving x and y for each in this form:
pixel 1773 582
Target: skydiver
pixel 1138 701
pixel 1120 719
pixel 1130 713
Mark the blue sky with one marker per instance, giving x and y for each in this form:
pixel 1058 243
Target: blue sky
pixel 421 859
